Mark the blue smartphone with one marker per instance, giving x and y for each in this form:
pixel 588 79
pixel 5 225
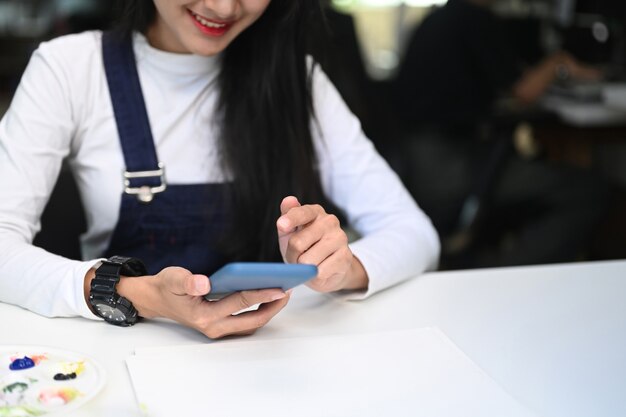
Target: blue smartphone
pixel 241 276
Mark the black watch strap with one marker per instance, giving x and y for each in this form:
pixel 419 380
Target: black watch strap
pixel 121 265
pixel 103 295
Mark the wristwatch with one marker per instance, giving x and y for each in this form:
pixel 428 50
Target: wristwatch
pixel 103 297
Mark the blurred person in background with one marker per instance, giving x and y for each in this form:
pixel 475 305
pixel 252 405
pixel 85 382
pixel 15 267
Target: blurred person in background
pixel 506 210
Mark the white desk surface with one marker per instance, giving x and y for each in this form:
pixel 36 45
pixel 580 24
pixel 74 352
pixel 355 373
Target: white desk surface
pixel 554 337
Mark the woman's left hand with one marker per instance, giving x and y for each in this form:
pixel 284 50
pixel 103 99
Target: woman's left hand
pixel 309 235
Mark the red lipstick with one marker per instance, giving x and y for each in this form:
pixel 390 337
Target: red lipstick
pixel 210 27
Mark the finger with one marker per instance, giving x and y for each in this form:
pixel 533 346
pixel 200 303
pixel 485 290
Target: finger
pixel 252 320
pixel 198 285
pixel 591 74
pixel 302 241
pixel 244 333
pixel 298 216
pixel 180 281
pixel 288 203
pixel 246 299
pixel 321 250
pixel 316 242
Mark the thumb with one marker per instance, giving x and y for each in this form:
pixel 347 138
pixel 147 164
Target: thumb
pixel 198 285
pixel 288 203
pixel 180 281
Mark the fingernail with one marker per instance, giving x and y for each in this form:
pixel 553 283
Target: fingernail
pixel 283 223
pixel 289 291
pixel 276 297
pixel 202 285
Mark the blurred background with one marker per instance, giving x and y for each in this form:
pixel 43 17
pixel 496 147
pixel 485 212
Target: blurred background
pixel 366 48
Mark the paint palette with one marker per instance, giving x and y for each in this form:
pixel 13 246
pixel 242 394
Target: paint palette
pixel 41 381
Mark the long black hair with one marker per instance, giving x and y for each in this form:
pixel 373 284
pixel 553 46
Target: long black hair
pixel 265 112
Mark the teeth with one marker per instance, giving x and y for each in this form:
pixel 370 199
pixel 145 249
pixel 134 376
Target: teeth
pixel 206 23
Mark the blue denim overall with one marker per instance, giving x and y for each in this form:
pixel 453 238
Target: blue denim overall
pixel 163 225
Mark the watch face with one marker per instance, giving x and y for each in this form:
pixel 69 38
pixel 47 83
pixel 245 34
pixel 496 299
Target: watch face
pixel 111 314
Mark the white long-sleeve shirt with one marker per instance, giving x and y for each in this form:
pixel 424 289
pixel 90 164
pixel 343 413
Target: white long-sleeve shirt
pixel 62 109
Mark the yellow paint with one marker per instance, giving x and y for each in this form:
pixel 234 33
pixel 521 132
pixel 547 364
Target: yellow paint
pixel 73 367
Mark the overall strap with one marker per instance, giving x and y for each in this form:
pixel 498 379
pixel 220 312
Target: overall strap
pixel 144 174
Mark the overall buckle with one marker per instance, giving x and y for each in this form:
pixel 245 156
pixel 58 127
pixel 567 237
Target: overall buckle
pixel 145 194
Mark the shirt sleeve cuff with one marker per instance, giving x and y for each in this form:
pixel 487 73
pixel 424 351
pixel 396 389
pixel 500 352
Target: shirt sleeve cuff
pixel 80 271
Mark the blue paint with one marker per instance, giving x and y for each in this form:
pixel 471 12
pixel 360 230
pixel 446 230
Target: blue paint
pixel 21 364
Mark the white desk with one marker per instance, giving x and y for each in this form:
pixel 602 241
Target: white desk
pixel 554 337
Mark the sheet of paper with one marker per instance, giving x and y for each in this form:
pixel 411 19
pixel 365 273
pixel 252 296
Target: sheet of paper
pixel 409 373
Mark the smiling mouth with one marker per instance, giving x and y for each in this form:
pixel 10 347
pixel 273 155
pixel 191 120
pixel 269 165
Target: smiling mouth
pixel 209 23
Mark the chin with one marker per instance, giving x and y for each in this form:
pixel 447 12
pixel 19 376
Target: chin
pixel 205 49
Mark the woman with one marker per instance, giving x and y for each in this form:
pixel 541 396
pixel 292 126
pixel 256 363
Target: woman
pixel 232 146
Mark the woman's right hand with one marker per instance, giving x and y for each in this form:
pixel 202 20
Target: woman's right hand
pixel 576 69
pixel 177 294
